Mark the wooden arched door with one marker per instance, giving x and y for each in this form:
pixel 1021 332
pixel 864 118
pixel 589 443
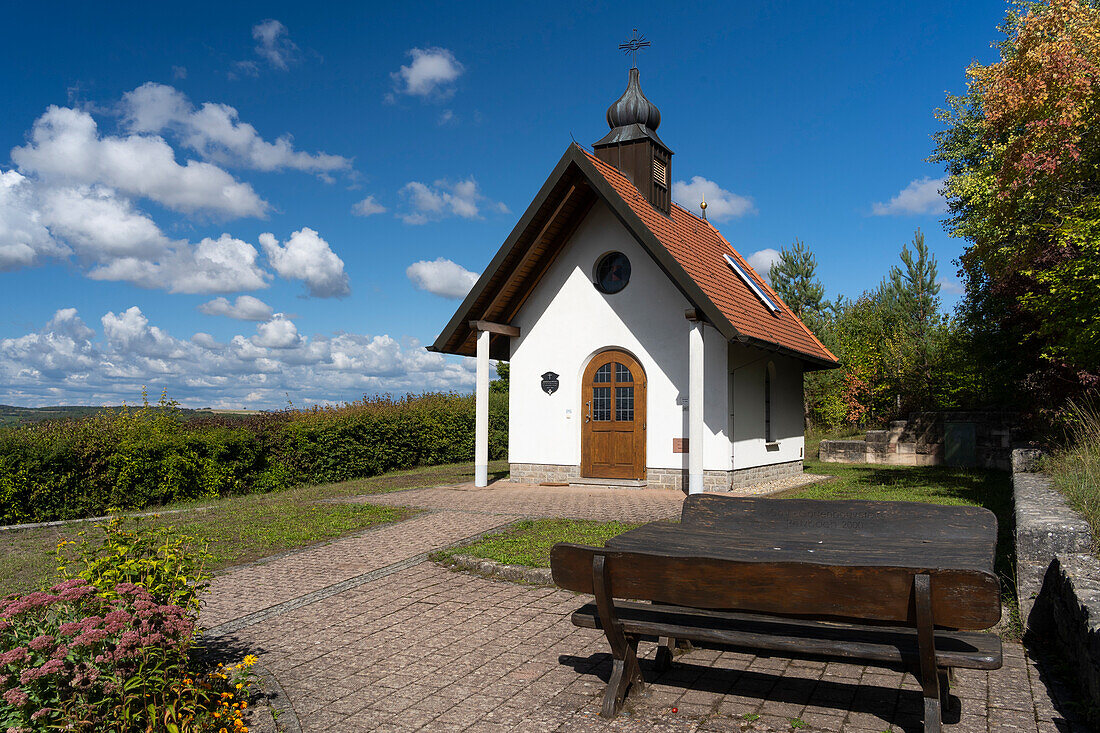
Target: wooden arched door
pixel 613 410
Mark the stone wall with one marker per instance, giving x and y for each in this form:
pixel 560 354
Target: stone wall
pixel 1045 527
pixel 1057 576
pixel 662 478
pixel 1066 619
pixel 920 441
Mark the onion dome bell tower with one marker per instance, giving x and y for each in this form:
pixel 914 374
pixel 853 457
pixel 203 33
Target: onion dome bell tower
pixel 633 147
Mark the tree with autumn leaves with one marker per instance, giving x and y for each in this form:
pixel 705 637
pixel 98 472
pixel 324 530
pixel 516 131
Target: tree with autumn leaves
pixel 1022 150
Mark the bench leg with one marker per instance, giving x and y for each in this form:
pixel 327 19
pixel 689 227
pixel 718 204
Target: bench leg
pixel 929 673
pixel 945 688
pixel 625 670
pixel 665 646
pixel 625 675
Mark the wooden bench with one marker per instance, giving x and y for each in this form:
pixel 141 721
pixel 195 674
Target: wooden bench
pixel 893 583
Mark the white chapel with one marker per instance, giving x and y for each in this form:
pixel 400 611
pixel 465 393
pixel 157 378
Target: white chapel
pixel 643 348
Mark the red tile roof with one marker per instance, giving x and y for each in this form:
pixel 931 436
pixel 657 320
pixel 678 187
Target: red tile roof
pixel 699 248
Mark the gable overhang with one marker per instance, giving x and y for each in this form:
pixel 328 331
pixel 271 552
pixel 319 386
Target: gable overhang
pixel 566 197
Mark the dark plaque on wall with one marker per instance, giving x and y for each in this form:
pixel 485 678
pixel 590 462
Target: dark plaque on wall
pixel 549 383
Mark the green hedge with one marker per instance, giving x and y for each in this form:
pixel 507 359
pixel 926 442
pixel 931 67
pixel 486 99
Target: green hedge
pixel 137 457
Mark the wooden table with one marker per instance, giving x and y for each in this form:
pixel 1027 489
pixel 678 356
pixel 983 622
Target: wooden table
pixel 878 581
pixel 838 543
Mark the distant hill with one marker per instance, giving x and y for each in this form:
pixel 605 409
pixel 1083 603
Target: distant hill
pixel 12 415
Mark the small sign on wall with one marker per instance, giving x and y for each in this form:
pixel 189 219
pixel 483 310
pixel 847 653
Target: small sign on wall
pixel 679 445
pixel 549 382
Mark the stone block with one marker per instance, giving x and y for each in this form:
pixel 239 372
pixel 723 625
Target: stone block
pixel 1027 460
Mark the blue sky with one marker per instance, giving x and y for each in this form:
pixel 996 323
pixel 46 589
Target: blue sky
pixel 155 158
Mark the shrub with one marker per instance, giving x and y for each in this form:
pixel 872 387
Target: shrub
pixel 108 649
pixel 169 565
pixel 135 457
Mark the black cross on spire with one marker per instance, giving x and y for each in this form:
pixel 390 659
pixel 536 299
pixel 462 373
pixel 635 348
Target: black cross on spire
pixel 632 47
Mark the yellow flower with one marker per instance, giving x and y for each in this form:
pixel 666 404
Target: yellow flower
pixel 250 659
pixel 239 685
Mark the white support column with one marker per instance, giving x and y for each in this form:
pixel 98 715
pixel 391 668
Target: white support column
pixel 481 406
pixel 695 408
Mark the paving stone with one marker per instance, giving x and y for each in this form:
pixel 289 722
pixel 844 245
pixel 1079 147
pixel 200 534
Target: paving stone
pixel 424 648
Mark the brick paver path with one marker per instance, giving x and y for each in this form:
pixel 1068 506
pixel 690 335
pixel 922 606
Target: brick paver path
pixel 364 635
pixel 575 502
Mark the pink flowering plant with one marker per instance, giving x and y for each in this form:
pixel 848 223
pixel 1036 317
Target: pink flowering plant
pixel 107 648
pixel 71 658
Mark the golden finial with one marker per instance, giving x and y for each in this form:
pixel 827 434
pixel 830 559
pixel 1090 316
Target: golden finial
pixel 703 206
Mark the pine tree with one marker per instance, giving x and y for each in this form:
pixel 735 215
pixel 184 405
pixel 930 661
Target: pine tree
pixel 794 278
pixel 911 296
pixel 914 291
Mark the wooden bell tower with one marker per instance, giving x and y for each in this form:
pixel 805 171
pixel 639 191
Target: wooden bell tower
pixel 633 147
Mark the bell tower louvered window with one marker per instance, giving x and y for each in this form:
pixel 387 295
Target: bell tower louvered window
pixel 660 173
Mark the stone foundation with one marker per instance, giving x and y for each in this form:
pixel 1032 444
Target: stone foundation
pixel 662 478
pixel 677 478
pixel 743 477
pixel 538 473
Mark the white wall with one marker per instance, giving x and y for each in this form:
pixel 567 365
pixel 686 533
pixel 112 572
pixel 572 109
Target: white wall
pixel 750 449
pixel 567 320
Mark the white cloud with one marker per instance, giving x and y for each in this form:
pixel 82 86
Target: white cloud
pixel 74 199
pixel 443 199
pixel 368 207
pixel 245 308
pixel 921 196
pixel 308 257
pixel 222 265
pixel 762 261
pixel 129 332
pixel 113 241
pixel 721 204
pixel 66 149
pixel 179 72
pixel 431 74
pixel 24 238
pixel 441 277
pixel 215 132
pixel 65 363
pixel 278 333
pixel 951 287
pixel 273 43
pixel 98 225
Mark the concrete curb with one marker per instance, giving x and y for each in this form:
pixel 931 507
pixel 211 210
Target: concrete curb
pixel 63 522
pixel 282 712
pixel 494 569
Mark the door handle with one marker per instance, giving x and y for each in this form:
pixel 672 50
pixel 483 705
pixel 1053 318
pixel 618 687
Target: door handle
pixel 588 417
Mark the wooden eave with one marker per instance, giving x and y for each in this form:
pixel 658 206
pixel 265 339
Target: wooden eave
pixel 534 243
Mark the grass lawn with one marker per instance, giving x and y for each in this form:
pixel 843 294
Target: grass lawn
pixel 528 542
pixel 932 484
pixel 243 528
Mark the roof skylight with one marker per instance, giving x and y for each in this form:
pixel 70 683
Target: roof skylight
pixel 753 286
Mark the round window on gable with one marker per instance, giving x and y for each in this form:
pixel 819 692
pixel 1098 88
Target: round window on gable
pixel 612 273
